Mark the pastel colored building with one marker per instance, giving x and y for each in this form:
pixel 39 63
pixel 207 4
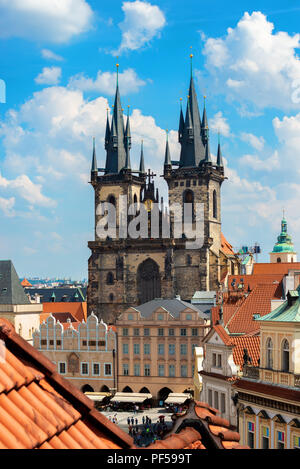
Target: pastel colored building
pixel 84 352
pixel 156 343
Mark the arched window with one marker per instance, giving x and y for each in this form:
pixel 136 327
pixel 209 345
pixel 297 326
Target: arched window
pixel 278 259
pixel 269 353
pixel 188 209
pixel 148 281
pixel 188 259
pixel 111 297
pixel 285 354
pixel 111 199
pixel 215 205
pixel 110 278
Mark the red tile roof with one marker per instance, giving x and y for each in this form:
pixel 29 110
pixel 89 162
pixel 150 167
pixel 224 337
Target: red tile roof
pixel 250 342
pixel 250 281
pixel 257 302
pixel 200 428
pixel 275 268
pixel 40 409
pixel 226 246
pixel 78 310
pixel 25 283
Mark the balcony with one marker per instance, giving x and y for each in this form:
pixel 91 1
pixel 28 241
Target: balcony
pixel 251 372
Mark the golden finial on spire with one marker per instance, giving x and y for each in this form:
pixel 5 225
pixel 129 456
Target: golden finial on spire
pixel 191 57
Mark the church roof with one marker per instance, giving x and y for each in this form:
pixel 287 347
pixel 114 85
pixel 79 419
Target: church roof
pixel 11 290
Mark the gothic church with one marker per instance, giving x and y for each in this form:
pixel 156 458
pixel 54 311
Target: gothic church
pixel 124 272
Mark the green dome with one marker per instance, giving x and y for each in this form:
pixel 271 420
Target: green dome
pixel 284 241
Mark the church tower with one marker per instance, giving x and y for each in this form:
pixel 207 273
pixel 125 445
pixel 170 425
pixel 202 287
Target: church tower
pixel 196 179
pixel 283 250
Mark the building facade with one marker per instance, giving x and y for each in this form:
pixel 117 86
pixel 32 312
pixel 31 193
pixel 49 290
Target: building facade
pixel 84 353
pixel 269 394
pixel 156 344
pixel 126 271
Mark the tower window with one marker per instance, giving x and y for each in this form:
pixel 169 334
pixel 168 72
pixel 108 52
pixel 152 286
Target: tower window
pixel 188 183
pixel 111 297
pixel 110 278
pixel 278 259
pixel 215 205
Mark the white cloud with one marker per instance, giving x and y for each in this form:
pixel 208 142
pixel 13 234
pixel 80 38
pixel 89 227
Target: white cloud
pixel 218 123
pixel 256 142
pixel 142 23
pixel 258 164
pixel 26 189
pixel 106 82
pixel 254 65
pixel 7 206
pixel 55 21
pixel 49 76
pixel 50 138
pixel 49 54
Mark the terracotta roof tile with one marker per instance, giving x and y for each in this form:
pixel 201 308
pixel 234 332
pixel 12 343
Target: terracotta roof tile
pixel 251 281
pixel 40 409
pixel 257 302
pixel 275 268
pixel 200 428
pixel 78 310
pixel 226 246
pixel 249 342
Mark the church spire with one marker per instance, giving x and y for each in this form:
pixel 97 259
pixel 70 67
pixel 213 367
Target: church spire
pixel 181 123
pixel 219 155
pixel 116 147
pixel 94 161
pixel 167 154
pixel 107 131
pixel 204 125
pixel 192 147
pixel 142 162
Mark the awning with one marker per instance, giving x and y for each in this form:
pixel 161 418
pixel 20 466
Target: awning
pixel 177 398
pixel 130 397
pixel 97 396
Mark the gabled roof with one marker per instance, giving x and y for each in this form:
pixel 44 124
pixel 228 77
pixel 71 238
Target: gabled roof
pixel 11 290
pixel 41 409
pixel 173 306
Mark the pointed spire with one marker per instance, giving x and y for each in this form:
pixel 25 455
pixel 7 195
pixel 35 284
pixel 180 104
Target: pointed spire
pixel 107 131
pixel 94 162
pixel 167 154
pixel 192 147
pixel 219 155
pixel 207 153
pixel 142 162
pixel 204 124
pixel 188 116
pixel 116 158
pixel 181 123
pixel 128 143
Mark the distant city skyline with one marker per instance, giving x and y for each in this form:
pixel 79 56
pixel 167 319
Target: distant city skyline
pixel 59 71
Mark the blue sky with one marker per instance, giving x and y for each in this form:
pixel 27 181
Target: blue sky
pixel 58 62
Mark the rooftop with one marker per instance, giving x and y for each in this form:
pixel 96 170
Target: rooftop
pixel 174 306
pixel 11 290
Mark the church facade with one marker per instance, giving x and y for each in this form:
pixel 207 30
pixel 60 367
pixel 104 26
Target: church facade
pixel 126 271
